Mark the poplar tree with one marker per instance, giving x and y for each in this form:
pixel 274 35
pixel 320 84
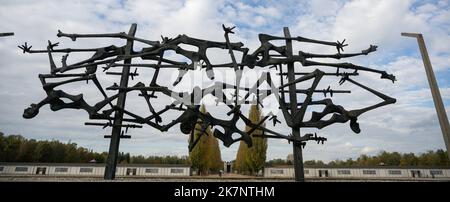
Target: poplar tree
pixel 216 162
pixel 251 160
pixel 205 156
pixel 239 164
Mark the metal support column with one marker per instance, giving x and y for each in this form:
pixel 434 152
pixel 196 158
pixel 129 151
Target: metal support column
pixel 296 147
pixel 440 109
pixel 111 162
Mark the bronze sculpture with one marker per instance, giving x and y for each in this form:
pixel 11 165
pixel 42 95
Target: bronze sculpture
pixel 121 57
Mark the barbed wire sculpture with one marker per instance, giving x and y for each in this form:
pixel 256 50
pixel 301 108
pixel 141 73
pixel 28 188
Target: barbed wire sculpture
pixel 187 102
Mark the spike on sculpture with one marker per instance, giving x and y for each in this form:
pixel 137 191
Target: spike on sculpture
pixel 111 109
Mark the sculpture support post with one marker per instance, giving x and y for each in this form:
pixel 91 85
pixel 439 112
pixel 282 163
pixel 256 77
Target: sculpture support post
pixel 111 162
pixel 298 157
pixel 297 149
pixel 439 105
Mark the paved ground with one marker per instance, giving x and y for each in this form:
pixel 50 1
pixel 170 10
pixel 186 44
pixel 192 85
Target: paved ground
pixel 210 178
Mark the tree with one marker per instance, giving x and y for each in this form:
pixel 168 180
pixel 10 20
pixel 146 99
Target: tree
pixel 205 156
pixel 26 151
pixel 2 147
pixel 43 152
pixel 252 159
pixel 443 157
pixel 390 159
pixel 430 158
pixel 240 165
pixel 215 162
pixel 140 159
pixel 256 156
pixel 59 151
pixel 12 147
pixel 314 163
pixel 72 155
pixel 124 158
pixel 15 148
pixel 409 159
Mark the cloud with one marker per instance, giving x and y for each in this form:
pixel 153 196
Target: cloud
pixel 367 149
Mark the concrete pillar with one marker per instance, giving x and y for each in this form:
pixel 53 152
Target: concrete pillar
pixel 440 109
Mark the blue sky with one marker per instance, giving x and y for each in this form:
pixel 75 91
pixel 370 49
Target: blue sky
pixel 408 126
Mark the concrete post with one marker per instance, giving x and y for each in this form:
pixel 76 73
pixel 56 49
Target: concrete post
pixel 440 109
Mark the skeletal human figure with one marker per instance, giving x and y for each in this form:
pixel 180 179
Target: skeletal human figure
pixel 187 103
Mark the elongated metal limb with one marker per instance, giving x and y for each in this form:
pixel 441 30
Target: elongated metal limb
pixel 346 65
pixel 194 141
pixel 27 49
pixel 260 57
pixel 86 76
pixel 48 86
pixel 100 54
pixel 6 34
pixel 156 73
pixel 229 127
pixel 121 35
pixel 372 48
pixel 187 119
pixel 386 99
pixel 237 70
pixel 339 45
pixel 301 112
pixel 147 97
pixel 194 56
pixel 340 115
pixel 54 99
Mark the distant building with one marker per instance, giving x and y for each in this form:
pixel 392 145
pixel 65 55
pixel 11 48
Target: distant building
pixel 93 170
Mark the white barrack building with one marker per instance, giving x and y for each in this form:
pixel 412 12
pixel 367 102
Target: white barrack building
pixel 92 169
pixel 381 172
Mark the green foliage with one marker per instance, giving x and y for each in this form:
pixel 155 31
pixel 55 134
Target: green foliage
pixel 140 159
pixel 239 164
pixel 277 162
pixel 251 160
pixel 429 158
pixel 205 156
pixel 215 161
pixel 314 162
pixel 15 148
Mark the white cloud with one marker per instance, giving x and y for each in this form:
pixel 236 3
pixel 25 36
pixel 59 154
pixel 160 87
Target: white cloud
pixel 366 150
pixel 322 8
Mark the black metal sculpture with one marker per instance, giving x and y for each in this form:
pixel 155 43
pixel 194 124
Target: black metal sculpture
pixel 111 57
pixel 6 34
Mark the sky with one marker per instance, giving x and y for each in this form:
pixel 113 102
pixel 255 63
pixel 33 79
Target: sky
pixel 410 125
